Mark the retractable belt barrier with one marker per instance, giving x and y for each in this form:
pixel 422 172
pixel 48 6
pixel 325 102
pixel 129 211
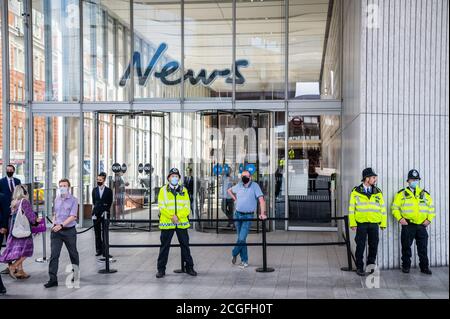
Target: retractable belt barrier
pixel 264 244
pixel 98 220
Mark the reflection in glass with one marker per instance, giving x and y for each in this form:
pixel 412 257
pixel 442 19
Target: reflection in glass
pixel 313 159
pixel 208 46
pixel 260 40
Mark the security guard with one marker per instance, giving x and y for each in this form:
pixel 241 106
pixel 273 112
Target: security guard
pixel 174 208
pixel 413 208
pixel 366 213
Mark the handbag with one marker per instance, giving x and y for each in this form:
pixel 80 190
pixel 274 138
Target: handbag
pixel 39 228
pixel 21 228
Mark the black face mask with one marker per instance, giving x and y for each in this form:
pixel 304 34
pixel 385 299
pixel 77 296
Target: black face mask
pixel 10 174
pixel 99 183
pixel 245 179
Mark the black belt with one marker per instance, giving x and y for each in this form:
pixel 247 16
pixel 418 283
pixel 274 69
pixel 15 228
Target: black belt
pixel 245 213
pixel 67 228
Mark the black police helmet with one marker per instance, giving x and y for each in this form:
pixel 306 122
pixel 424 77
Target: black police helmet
pixel 368 172
pixel 413 174
pixel 174 171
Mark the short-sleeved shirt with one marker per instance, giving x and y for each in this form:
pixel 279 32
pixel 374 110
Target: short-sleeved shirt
pixel 227 183
pixel 247 197
pixel 65 207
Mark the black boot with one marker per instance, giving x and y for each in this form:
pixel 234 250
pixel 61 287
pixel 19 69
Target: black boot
pixel 426 271
pixel 51 283
pixel 191 271
pixel 160 274
pixel 2 287
pixel 360 272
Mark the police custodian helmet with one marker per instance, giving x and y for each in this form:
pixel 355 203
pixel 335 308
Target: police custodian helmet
pixel 368 172
pixel 413 174
pixel 174 171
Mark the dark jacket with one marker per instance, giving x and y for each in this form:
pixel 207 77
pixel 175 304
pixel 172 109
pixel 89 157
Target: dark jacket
pixel 101 204
pixel 4 209
pixel 6 198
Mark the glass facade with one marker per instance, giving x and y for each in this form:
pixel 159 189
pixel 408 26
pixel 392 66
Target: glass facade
pixel 160 84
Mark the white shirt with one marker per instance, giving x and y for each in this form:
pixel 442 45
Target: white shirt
pixel 367 189
pixel 101 189
pixel 9 183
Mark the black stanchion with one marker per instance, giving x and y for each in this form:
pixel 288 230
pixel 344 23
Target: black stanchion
pixel 347 243
pixel 182 269
pixel 264 268
pixel 107 269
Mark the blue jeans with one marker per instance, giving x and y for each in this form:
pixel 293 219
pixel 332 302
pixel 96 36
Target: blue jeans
pixel 242 228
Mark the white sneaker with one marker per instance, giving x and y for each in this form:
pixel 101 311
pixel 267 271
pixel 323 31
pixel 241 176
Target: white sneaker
pixel 243 265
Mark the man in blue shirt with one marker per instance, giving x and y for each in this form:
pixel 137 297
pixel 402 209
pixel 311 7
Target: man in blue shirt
pixel 246 195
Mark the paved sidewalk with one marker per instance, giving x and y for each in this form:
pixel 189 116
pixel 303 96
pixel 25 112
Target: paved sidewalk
pixel 300 272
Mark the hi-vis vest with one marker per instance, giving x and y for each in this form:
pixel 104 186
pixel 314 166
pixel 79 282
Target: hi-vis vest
pixel 170 205
pixel 365 208
pixel 415 207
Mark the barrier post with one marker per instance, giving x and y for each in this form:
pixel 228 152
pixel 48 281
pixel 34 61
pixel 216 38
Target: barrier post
pixel 264 250
pixel 347 243
pixel 107 269
pixel 182 269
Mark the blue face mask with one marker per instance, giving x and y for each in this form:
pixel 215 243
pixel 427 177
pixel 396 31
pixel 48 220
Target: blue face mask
pixel 414 184
pixel 174 181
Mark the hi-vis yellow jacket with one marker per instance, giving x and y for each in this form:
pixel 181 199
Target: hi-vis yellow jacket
pixel 415 207
pixel 364 208
pixel 170 205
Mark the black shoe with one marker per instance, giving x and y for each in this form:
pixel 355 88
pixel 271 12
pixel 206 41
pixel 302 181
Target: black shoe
pixel 405 270
pixel 426 271
pixel 372 268
pixel 360 272
pixel 51 283
pixel 5 271
pixel 98 253
pixel 2 290
pixel 160 274
pixel 191 272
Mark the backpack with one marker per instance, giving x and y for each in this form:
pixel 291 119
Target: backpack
pixel 21 228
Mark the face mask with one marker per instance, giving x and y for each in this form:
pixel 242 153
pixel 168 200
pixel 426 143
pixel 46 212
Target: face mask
pixel 99 183
pixel 414 184
pixel 10 174
pixel 245 179
pixel 63 190
pixel 174 181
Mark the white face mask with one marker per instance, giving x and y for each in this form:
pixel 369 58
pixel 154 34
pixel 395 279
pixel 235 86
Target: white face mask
pixel 63 191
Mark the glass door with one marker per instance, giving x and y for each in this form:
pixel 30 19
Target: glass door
pixel 132 153
pixel 231 142
pixel 313 160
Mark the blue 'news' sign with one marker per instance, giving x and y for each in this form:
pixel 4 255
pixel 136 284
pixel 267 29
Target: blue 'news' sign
pixel 170 68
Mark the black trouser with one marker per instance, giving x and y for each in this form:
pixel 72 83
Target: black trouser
pixel 166 239
pixel 420 234
pixel 1 283
pixel 228 204
pixel 98 230
pixel 1 241
pixel 67 237
pixel 364 231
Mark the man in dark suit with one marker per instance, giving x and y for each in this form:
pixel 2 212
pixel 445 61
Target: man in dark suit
pixel 7 186
pixel 188 182
pixel 102 198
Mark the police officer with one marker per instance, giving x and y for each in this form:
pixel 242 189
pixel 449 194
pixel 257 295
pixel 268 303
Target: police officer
pixel 413 208
pixel 366 213
pixel 174 208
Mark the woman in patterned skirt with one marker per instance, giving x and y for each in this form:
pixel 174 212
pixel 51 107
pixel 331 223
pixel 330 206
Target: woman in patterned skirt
pixel 18 249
